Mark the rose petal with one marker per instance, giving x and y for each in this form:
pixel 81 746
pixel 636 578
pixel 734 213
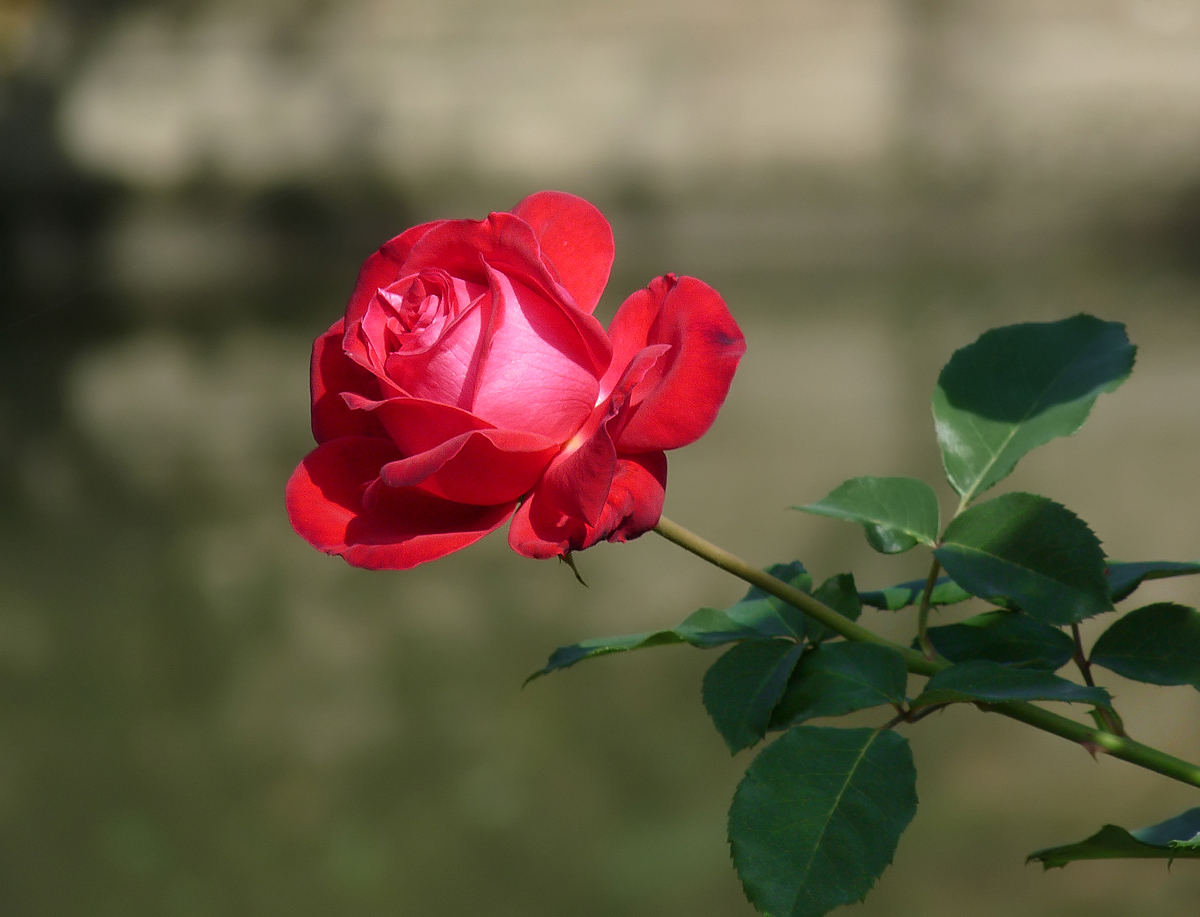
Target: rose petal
pixel 332 374
pixel 678 406
pixel 636 501
pixel 537 375
pixel 575 240
pixel 402 528
pixel 483 467
pixel 380 270
pixel 579 480
pixel 506 244
pixel 539 529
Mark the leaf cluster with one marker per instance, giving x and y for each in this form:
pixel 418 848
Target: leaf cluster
pixel 821 810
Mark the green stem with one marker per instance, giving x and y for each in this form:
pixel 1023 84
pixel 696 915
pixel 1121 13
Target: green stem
pixel 806 603
pixel 1094 739
pixel 923 612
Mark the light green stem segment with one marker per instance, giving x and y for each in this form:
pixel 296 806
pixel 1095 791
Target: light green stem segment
pixel 1118 746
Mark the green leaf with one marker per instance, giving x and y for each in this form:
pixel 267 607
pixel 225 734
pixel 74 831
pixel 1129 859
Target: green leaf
pixel 817 817
pixel 841 594
pixel 1192 843
pixel 763 612
pixel 896 513
pixel 757 616
pixel 1006 637
pixel 743 687
pixel 1029 551
pixel 945 592
pixel 1173 839
pixel 991 682
pixel 839 678
pixel 1018 387
pixel 1124 578
pixel 1158 644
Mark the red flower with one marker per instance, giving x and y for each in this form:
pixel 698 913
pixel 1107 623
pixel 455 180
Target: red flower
pixel 469 380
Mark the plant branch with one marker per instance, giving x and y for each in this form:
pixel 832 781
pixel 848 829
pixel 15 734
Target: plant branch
pixel 1105 718
pixel 1118 746
pixel 819 611
pixel 923 612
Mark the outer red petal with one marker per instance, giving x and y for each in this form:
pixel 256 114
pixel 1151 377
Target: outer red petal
pixel 575 239
pixel 635 500
pixel 402 527
pixel 706 344
pixel 483 467
pixel 333 373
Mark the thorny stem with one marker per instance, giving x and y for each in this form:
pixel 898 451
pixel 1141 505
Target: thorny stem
pixel 1119 746
pixel 923 611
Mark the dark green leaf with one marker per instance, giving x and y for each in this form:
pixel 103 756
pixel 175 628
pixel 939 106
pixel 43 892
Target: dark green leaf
pixel 1004 636
pixel 1158 644
pixel 1030 551
pixel 1018 387
pixel 757 616
pixel 841 594
pixel 839 678
pixel 896 513
pixel 1172 839
pixel 743 687
pixel 991 682
pixel 760 611
pixel 817 817
pixel 945 592
pixel 1123 578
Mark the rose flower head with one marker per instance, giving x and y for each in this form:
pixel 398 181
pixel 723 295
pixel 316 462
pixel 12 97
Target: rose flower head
pixel 469 383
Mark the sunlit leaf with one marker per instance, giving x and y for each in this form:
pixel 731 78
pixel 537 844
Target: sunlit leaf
pixel 1158 644
pixel 992 682
pixel 893 598
pixel 1004 636
pixel 1124 578
pixel 817 817
pixel 1029 551
pixel 1173 839
pixel 1018 387
pixel 743 687
pixel 838 678
pixel 896 513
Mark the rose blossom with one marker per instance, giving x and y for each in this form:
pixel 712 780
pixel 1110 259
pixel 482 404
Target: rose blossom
pixel 469 382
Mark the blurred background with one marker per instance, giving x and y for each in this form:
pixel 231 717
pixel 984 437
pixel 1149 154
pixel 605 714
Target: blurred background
pixel 200 715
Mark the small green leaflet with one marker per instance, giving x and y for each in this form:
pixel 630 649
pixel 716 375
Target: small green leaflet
pixel 990 682
pixel 1173 839
pixel 757 616
pixel 743 687
pixel 838 678
pixel 839 593
pixel 1006 637
pixel 895 513
pixel 893 598
pixel 1124 578
pixel 1017 388
pixel 817 817
pixel 1192 843
pixel 1032 551
pixel 1158 644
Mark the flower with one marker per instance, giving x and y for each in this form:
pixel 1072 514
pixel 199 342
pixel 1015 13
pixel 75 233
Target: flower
pixel 469 383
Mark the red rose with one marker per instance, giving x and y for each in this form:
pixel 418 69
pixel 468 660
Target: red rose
pixel 469 380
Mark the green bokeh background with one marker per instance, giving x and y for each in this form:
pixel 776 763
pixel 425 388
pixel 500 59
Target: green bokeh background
pixel 199 715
